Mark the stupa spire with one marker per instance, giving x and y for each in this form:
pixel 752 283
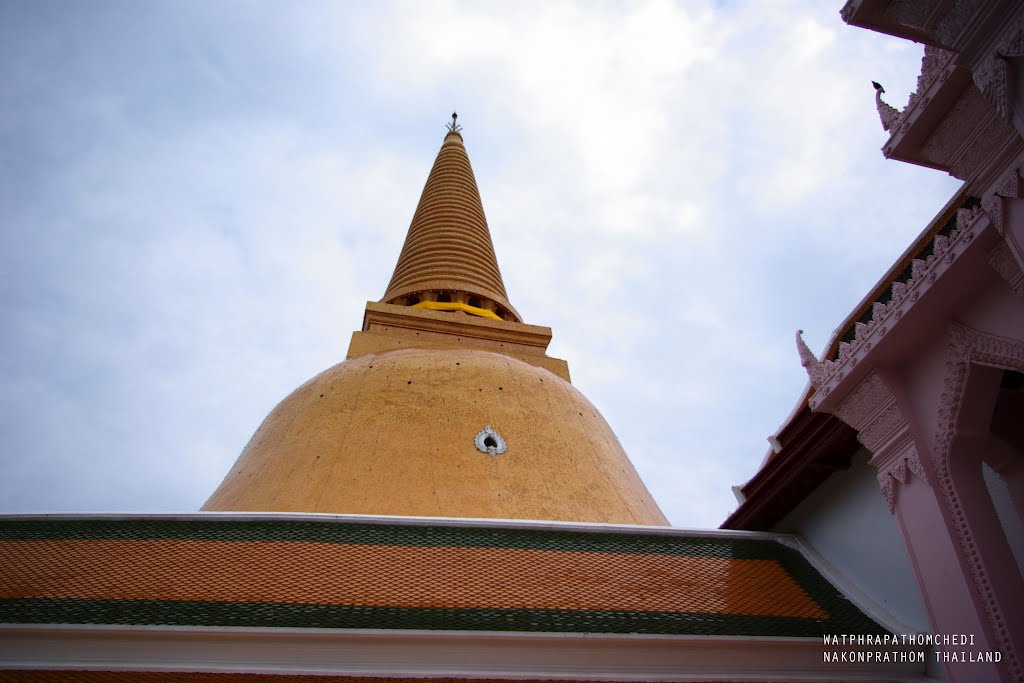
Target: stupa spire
pixel 448 260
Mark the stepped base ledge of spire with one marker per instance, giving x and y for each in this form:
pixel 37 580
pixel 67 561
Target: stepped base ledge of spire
pixel 448 290
pixel 390 327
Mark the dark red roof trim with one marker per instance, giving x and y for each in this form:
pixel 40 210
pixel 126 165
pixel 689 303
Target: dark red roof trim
pixel 813 446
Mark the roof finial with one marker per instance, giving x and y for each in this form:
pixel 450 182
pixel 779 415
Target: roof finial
pixel 889 115
pixel 810 362
pixel 454 126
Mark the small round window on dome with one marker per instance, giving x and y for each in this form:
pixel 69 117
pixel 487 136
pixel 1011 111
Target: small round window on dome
pixel 490 442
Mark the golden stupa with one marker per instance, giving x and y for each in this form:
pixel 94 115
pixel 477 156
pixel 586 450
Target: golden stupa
pixel 447 404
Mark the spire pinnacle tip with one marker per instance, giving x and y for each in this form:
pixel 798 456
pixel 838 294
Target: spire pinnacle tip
pixel 454 126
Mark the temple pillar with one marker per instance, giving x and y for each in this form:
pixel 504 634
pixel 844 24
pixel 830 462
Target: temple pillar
pixel 880 409
pixel 1002 578
pixel 946 594
pixel 1005 461
pixel 975 365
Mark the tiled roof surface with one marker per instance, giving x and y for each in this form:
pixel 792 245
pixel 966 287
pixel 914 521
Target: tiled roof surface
pixel 332 573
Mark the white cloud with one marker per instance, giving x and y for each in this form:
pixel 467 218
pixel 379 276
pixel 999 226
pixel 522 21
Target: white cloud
pixel 673 189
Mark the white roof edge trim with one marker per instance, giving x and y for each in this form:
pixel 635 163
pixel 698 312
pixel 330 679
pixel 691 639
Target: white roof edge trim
pixel 570 656
pixel 850 590
pixel 257 631
pixel 405 521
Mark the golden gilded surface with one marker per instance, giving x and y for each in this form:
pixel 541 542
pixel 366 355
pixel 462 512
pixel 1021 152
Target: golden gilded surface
pixel 448 246
pixel 391 430
pixel 392 434
pixel 387 327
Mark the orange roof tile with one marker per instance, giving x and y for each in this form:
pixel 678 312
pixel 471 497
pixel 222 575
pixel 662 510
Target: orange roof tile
pixel 345 574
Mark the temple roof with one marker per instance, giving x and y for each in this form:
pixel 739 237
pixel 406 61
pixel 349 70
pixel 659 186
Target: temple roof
pixel 448 248
pixel 306 571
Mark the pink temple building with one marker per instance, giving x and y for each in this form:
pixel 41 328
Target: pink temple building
pixel 920 395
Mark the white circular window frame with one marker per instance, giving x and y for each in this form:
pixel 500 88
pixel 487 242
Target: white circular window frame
pixel 480 438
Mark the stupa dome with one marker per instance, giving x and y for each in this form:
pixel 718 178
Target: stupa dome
pixel 396 434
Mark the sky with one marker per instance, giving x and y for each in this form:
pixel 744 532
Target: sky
pixel 198 199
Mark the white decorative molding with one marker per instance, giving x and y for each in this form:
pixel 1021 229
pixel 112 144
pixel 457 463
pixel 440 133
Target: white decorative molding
pixel 1008 187
pixel 936 65
pixel 945 251
pixel 991 77
pixel 965 139
pixel 1002 262
pixel 1007 258
pixel 933 64
pixel 992 204
pixel 992 74
pixel 872 410
pixel 968 346
pixel 1011 185
pixel 898 470
pixel 969 214
pixel 490 442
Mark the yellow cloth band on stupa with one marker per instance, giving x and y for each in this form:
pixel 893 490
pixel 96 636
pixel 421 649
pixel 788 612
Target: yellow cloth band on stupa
pixel 455 306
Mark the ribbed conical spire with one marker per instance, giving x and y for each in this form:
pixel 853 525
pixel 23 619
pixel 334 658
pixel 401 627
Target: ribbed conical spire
pixel 448 255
